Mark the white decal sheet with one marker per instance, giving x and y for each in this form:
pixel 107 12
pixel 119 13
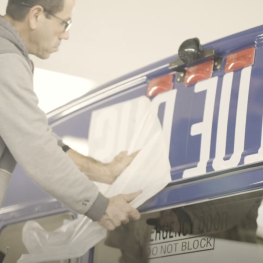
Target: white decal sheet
pixel 128 126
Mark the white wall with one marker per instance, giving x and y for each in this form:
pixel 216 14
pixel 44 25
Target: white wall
pixel 111 38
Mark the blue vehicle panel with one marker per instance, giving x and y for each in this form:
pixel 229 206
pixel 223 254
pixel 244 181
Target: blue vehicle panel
pixel 213 131
pixel 189 109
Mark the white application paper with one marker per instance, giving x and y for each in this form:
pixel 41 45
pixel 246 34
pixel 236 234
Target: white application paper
pixel 127 126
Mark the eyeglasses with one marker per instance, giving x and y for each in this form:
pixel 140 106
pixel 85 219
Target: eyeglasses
pixel 67 23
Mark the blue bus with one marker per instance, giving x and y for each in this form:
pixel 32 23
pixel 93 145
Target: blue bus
pixel 207 99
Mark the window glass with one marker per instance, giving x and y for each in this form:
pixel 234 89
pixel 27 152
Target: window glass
pixel 11 236
pixel 223 230
pixel 56 89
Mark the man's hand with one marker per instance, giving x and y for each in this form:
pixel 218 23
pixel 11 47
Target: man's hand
pixel 119 164
pixel 102 172
pixel 120 211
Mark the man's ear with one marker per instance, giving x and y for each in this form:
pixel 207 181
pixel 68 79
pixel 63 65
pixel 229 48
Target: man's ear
pixel 35 16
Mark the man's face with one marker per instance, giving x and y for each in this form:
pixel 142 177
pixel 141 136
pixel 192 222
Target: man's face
pixel 47 37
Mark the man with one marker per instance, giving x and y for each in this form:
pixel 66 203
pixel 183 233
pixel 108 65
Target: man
pixel 38 27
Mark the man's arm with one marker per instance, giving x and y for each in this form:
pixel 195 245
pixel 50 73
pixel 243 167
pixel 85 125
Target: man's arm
pixel 61 144
pixel 25 131
pixel 101 172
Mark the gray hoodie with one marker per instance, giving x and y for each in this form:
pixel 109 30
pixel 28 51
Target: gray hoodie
pixel 26 138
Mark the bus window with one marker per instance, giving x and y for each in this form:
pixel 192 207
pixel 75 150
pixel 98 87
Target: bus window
pixel 11 236
pixel 226 230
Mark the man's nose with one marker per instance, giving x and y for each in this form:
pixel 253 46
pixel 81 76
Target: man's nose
pixel 65 35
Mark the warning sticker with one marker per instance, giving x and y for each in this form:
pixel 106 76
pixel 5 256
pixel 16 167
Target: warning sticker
pixel 183 246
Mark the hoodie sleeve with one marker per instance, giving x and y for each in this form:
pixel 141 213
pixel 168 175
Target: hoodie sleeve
pixel 25 131
pixel 60 143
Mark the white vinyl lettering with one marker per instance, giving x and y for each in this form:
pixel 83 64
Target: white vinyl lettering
pixel 112 128
pixel 169 99
pixel 219 163
pixel 103 135
pixel 258 156
pixel 140 107
pixel 223 120
pixel 204 128
pixel 123 130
